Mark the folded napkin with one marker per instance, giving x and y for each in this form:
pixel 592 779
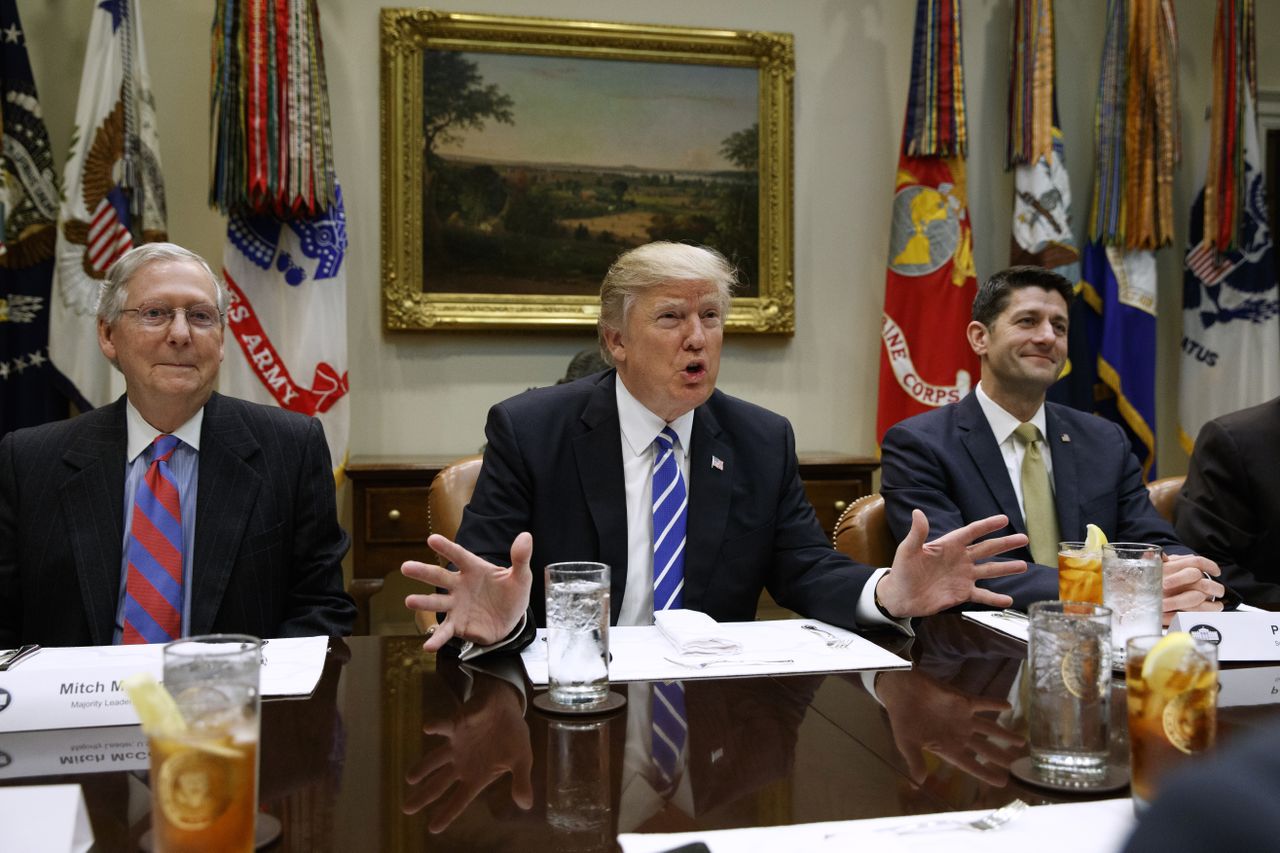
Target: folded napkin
pixel 692 632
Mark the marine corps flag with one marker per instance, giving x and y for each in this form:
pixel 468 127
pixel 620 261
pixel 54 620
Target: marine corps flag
pixel 1230 303
pixel 286 235
pixel 113 194
pixel 930 284
pixel 28 211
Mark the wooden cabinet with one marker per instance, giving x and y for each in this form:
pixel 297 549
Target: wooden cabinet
pixel 389 497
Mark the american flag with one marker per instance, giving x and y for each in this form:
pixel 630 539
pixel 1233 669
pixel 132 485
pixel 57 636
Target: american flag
pixel 108 232
pixel 1206 264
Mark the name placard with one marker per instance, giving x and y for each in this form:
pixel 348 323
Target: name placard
pixel 1239 636
pixel 71 698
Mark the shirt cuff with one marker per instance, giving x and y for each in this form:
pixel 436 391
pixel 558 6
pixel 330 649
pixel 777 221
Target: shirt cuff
pixel 867 615
pixel 469 650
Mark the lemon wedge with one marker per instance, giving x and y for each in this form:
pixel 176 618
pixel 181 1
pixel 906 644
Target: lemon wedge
pixel 155 707
pixel 1166 659
pixel 1094 538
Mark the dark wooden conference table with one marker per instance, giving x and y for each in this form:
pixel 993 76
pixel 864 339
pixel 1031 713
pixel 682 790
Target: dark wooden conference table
pixel 399 750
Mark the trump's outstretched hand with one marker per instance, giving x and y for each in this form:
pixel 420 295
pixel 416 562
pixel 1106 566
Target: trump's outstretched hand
pixel 481 602
pixel 927 577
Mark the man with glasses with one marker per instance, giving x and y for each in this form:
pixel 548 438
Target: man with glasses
pixel 174 511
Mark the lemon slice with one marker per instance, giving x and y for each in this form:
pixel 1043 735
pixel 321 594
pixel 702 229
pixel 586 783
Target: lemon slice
pixel 155 707
pixel 1094 538
pixel 1166 659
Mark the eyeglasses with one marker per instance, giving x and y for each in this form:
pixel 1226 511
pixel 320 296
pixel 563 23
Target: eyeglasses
pixel 157 314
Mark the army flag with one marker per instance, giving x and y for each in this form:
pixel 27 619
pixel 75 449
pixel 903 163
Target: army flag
pixel 925 359
pixel 1230 298
pixel 113 193
pixel 286 246
pixel 29 384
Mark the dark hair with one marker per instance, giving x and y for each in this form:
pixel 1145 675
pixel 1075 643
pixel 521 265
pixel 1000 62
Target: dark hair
pixel 993 296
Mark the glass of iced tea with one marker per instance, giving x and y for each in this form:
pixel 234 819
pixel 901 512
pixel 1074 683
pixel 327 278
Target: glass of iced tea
pixel 204 780
pixel 1079 573
pixel 1172 686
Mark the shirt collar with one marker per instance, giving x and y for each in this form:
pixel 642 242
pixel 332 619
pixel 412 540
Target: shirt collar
pixel 640 427
pixel 142 434
pixel 1002 423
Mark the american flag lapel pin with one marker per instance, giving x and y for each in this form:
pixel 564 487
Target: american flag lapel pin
pixel 717 463
pixel 1064 438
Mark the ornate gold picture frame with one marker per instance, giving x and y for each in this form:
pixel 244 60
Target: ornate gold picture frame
pixel 521 155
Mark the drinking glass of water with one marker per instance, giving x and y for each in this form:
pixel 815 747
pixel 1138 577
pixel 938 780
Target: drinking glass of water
pixel 1133 587
pixel 578 633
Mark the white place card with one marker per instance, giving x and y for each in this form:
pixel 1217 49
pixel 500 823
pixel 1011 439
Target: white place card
pixel 1239 636
pixel 68 688
pixel 44 819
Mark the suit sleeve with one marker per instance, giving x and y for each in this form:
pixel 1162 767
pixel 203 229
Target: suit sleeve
pixel 317 603
pixel 913 477
pixel 10 581
pixel 809 575
pixel 1217 517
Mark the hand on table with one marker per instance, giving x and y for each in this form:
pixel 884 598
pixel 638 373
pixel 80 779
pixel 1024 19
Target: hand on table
pixel 481 602
pixel 1189 585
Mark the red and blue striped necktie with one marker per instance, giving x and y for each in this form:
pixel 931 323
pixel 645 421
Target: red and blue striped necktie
pixel 153 590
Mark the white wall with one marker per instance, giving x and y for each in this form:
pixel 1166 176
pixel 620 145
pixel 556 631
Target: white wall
pixel 428 392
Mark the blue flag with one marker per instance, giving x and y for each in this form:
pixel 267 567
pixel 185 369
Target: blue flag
pixel 29 384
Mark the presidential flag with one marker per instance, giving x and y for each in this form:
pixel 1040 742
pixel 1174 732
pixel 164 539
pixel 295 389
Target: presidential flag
pixel 930 283
pixel 1230 299
pixel 286 235
pixel 29 385
pixel 113 193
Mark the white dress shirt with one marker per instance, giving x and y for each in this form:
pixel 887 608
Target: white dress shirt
pixel 1002 425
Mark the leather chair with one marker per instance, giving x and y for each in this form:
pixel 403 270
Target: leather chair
pixel 1164 494
pixel 863 533
pixel 448 496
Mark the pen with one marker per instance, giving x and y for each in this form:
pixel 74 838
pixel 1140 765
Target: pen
pixel 9 658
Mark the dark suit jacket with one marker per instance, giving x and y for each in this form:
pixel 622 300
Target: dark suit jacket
pixel 553 467
pixel 1229 509
pixel 947 463
pixel 268 547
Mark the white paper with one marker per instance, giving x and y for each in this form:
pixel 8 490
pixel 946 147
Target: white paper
pixel 768 648
pixel 997 620
pixel 1061 828
pixel 60 688
pixel 62 752
pixel 44 819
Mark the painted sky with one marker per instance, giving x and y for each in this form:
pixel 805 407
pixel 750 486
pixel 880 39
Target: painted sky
pixel 608 113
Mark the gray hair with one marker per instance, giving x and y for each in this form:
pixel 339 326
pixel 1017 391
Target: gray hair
pixel 653 264
pixel 113 291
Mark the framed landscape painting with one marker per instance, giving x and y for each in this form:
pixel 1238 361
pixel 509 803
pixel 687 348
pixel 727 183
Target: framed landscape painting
pixel 521 156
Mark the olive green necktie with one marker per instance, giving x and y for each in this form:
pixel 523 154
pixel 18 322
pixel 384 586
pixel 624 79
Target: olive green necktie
pixel 1037 498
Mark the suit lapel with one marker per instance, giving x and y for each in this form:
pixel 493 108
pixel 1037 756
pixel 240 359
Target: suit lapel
pixel 710 489
pixel 93 505
pixel 598 454
pixel 225 499
pixel 980 442
pixel 1066 478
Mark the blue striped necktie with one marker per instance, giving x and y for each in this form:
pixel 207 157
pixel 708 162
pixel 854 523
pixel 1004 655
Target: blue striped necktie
pixel 670 506
pixel 153 587
pixel 670 730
